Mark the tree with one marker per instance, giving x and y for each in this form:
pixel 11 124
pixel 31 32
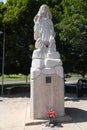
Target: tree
pixel 18 20
pixel 2 10
pixel 73 32
pixel 19 36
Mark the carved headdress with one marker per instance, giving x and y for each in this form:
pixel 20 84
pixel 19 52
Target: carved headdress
pixel 43 12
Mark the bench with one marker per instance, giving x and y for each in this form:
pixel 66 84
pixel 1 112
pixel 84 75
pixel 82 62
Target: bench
pixel 9 89
pixel 16 89
pixel 81 86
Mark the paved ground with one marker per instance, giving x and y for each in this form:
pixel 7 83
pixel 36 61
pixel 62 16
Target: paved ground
pixel 14 113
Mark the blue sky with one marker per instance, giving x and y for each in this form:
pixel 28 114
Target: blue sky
pixel 3 1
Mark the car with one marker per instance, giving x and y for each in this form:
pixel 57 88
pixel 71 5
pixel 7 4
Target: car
pixel 81 87
pixel 67 75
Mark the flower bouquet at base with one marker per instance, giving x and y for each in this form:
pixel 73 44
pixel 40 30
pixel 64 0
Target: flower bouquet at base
pixel 51 115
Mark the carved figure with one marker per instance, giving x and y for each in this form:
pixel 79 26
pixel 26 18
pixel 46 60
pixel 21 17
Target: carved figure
pixel 43 30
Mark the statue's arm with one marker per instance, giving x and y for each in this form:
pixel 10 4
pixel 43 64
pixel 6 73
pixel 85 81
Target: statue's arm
pixel 36 31
pixel 52 29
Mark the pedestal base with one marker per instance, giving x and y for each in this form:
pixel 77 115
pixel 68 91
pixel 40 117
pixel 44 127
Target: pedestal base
pixel 47 92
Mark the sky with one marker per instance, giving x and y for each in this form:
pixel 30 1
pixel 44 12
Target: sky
pixel 3 1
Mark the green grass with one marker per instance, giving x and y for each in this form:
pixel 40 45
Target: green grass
pixel 76 76
pixel 14 77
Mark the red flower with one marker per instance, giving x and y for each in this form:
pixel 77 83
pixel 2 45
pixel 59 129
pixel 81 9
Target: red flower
pixel 51 113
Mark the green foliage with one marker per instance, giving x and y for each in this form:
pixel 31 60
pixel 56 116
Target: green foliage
pixel 73 32
pixel 19 36
pixel 73 25
pixel 70 22
pixel 18 19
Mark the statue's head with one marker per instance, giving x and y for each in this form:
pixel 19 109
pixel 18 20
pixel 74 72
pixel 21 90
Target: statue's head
pixel 44 11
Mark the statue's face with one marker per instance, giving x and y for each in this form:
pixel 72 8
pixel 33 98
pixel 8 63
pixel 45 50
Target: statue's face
pixel 43 10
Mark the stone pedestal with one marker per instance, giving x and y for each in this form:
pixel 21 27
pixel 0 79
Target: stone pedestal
pixel 47 87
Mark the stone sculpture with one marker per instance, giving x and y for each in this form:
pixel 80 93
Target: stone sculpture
pixel 47 83
pixel 44 31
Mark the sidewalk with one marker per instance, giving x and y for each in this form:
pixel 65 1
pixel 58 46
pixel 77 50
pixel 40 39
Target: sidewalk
pixel 14 113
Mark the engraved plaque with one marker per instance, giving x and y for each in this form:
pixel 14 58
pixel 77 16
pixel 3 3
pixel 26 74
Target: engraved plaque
pixel 48 79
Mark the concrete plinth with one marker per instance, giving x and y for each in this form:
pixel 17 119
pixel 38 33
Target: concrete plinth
pixel 47 92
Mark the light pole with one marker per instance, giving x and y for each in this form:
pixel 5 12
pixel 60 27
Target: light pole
pixel 3 60
pixel 3 57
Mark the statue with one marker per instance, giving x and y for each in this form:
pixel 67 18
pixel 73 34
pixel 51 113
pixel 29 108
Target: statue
pixel 47 83
pixel 44 31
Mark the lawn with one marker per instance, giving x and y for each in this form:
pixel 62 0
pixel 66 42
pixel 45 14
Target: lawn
pixel 75 76
pixel 14 77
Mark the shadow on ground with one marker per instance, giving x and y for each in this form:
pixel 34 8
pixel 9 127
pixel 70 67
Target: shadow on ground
pixel 77 115
pixel 16 95
pixel 12 92
pixel 73 97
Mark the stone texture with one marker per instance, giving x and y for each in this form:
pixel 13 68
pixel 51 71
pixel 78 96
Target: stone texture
pixel 54 55
pixel 38 63
pixel 39 54
pixel 48 71
pixel 45 96
pixel 35 73
pixel 44 33
pixel 59 71
pixel 52 62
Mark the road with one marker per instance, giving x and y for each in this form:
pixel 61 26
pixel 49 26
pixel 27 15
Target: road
pixel 72 81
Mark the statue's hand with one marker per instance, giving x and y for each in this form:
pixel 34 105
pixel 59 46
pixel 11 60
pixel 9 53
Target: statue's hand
pixel 52 40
